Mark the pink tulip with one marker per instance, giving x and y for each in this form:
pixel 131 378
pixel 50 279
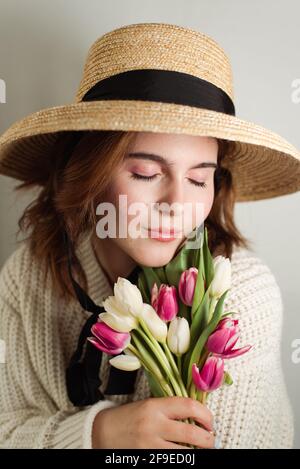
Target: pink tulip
pixel 221 342
pixel 187 283
pixel 164 301
pixel 107 339
pixel 154 296
pixel 211 375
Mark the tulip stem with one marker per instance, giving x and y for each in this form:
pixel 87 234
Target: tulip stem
pixel 156 349
pixel 193 391
pixel 179 364
pixel 157 346
pixel 150 366
pixel 167 357
pixel 212 306
pixel 204 396
pixel 175 369
pixel 182 391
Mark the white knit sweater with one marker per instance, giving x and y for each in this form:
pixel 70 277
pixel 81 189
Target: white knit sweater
pixel 41 334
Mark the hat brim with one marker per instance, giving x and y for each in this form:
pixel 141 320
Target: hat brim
pixel 263 164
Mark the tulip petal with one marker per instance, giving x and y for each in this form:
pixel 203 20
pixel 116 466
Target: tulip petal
pixel 216 342
pixel 109 336
pixel 207 371
pixel 154 295
pixel 128 295
pixel 197 378
pixel 119 323
pixel 125 362
pixel 186 286
pixel 111 305
pixel 231 342
pixel 222 276
pixel 218 375
pixel 100 346
pixel 178 337
pixel 167 304
pixel 234 353
pixel 211 375
pixel 155 324
pixel 199 382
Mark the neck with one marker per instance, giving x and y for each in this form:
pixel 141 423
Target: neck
pixel 112 259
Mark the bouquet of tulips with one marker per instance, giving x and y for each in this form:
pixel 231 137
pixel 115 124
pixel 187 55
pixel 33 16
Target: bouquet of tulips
pixel 173 324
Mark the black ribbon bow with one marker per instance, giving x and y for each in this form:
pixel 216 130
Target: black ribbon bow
pixel 82 374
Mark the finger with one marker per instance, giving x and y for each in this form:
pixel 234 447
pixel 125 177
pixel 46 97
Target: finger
pixel 188 433
pixel 176 407
pixel 170 445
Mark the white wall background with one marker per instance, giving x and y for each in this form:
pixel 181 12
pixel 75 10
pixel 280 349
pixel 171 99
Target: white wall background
pixel 43 46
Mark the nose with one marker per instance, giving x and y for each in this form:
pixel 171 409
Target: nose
pixel 173 198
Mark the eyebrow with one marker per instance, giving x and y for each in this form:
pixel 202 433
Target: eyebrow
pixel 160 159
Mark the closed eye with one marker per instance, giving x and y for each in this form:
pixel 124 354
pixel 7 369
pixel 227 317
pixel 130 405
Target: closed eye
pixel 145 178
pixel 150 178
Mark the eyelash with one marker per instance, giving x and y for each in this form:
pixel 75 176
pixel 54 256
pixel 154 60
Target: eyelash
pixel 150 178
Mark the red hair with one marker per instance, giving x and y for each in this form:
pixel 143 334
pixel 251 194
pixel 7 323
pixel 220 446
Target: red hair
pixel 80 171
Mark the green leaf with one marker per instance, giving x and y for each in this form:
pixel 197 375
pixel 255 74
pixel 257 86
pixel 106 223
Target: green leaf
pixel 147 354
pixel 228 314
pixel 198 318
pixel 227 378
pixel 195 356
pixel 208 260
pixel 183 260
pixel 199 287
pixel 143 287
pixel 155 387
pixel 160 271
pixel 151 277
pixel 184 311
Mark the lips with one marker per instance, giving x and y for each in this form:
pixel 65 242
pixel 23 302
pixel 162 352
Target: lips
pixel 164 235
pixel 170 232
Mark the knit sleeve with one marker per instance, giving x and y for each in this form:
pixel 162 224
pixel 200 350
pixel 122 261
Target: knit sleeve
pixel 26 419
pixel 255 411
pixel 37 337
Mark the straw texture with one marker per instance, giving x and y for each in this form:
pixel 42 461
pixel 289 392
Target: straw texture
pixel 263 164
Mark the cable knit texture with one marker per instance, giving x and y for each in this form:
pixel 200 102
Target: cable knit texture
pixel 41 332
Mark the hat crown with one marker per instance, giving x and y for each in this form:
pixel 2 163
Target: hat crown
pixel 160 46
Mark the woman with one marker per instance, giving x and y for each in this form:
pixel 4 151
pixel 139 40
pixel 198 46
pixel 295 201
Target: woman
pixel 154 104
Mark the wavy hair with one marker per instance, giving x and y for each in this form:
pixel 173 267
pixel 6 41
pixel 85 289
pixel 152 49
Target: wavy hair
pixel 81 168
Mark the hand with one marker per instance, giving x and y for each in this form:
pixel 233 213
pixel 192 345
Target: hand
pixel 153 423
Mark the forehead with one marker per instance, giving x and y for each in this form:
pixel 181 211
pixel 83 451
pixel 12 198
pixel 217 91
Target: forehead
pixel 172 148
pixel 160 138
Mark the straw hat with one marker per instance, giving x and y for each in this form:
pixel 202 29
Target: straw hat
pixel 158 77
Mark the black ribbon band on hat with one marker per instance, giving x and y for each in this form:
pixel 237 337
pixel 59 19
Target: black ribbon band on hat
pixel 82 374
pixel 162 85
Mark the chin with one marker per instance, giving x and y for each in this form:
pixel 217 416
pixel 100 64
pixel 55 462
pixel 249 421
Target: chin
pixel 155 255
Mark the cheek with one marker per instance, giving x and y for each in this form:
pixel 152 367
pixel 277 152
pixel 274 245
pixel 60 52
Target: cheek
pixel 202 205
pixel 209 200
pixel 134 190
pixel 130 209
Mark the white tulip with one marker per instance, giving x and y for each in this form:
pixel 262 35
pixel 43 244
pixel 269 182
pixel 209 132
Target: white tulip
pixel 117 315
pixel 120 323
pixel 129 296
pixel 129 352
pixel 179 335
pixel 125 362
pixel 222 276
pixel 111 305
pixel 157 326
